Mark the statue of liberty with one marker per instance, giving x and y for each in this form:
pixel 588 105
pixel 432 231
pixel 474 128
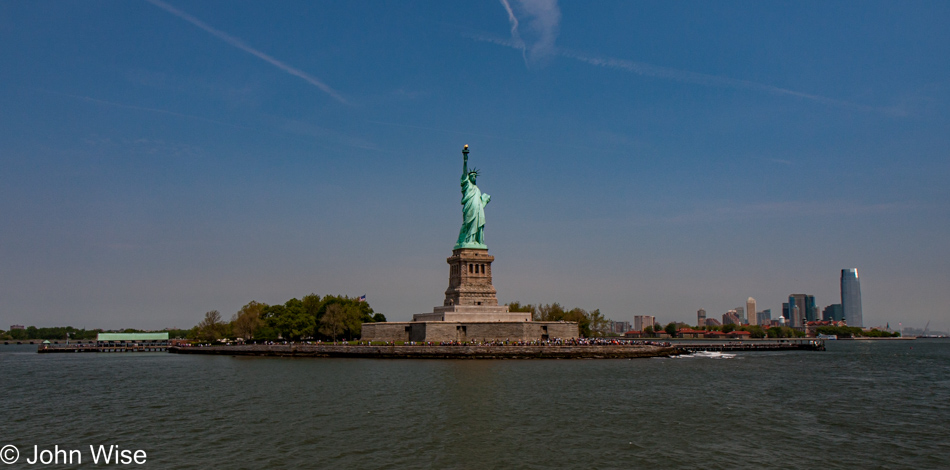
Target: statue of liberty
pixel 472 233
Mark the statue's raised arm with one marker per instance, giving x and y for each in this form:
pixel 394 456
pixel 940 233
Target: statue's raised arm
pixel 472 233
pixel 465 162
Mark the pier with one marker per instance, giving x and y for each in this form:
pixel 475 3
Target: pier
pixel 100 348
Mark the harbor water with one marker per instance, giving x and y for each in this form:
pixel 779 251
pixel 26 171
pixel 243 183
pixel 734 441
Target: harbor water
pixel 860 404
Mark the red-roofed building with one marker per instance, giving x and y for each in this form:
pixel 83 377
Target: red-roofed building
pixel 690 333
pixel 739 334
pixel 633 334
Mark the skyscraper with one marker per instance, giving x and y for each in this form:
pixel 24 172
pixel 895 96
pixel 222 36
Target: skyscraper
pixel 851 297
pixel 642 321
pixel 731 317
pixel 801 308
pixel 832 312
pixel 750 310
pixel 701 317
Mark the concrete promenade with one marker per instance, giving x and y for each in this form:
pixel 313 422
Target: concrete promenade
pixel 437 352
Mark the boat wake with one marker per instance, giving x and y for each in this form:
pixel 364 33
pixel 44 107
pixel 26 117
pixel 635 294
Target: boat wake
pixel 708 355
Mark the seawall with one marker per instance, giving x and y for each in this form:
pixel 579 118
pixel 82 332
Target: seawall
pixel 436 352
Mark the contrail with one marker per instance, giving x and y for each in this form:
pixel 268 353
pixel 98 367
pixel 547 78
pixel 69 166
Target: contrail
pixel 142 108
pixel 686 76
pixel 515 37
pixel 683 76
pixel 250 50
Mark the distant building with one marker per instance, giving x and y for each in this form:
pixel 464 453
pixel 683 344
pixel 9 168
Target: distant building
pixel 690 333
pixel 619 327
pixel 764 317
pixel 130 339
pixel 833 312
pixel 640 322
pixel 786 315
pixel 17 327
pixel 701 317
pixel 851 297
pixel 750 310
pixel 712 322
pixel 801 308
pixel 731 317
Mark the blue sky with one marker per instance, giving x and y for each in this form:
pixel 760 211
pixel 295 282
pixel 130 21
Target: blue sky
pixel 162 159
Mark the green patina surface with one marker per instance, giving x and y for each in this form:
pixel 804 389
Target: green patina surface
pixel 132 336
pixel 472 233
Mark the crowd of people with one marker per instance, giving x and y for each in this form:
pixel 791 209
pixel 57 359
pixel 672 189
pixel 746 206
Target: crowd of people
pixel 548 342
pixel 474 342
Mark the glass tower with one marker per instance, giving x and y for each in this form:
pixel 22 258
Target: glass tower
pixel 851 297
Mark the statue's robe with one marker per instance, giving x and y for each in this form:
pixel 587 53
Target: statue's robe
pixel 473 214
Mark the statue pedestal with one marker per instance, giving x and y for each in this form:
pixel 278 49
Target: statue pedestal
pixel 474 313
pixel 471 295
pixel 470 279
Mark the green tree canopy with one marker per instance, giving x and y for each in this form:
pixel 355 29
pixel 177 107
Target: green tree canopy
pixel 247 320
pixel 670 329
pixel 211 327
pixel 289 320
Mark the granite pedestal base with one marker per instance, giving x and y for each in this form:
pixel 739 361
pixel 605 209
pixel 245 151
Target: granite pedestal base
pixel 469 331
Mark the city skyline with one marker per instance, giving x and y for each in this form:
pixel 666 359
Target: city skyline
pixel 167 158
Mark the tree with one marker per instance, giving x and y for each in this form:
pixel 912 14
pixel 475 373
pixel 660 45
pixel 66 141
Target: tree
pixel 555 312
pixel 290 320
pixel 599 326
pixel 755 331
pixel 670 329
pixel 211 328
pixel 353 313
pixel 332 322
pixel 728 327
pixel 517 307
pixel 247 320
pixel 648 330
pixel 379 318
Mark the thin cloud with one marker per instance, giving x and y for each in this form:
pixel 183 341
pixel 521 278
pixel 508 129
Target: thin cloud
pixel 250 50
pixel 515 37
pixel 543 21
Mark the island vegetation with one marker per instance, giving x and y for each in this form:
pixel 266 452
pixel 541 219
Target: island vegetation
pixel 591 323
pixel 313 317
pixel 855 332
pixel 330 317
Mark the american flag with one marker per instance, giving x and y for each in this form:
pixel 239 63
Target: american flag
pixel 362 298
